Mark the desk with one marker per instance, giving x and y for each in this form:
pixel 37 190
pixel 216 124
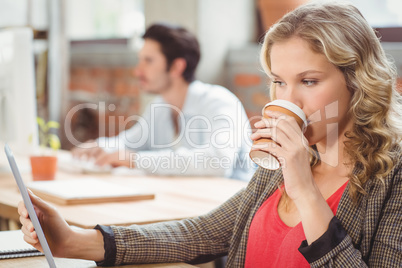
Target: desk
pixel 39 262
pixel 175 198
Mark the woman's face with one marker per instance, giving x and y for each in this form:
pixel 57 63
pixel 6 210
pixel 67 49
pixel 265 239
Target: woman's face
pixel 318 87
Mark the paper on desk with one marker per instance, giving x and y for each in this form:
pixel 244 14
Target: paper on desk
pixel 13 241
pixel 86 190
pixel 125 171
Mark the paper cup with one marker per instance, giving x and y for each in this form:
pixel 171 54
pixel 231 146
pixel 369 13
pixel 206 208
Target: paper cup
pixel 267 160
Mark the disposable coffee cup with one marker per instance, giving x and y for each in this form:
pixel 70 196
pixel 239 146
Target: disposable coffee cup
pixel 267 160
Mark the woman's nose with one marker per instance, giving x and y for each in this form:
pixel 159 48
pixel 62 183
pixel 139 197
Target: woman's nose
pixel 293 96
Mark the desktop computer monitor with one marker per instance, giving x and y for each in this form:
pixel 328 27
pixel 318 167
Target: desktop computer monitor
pixel 18 125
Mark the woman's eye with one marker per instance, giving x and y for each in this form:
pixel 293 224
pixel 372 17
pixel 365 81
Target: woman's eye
pixel 280 83
pixel 309 82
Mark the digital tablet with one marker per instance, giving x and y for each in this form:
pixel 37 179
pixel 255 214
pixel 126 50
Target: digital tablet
pixel 30 207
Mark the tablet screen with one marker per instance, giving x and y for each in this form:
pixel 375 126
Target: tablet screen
pixel 29 206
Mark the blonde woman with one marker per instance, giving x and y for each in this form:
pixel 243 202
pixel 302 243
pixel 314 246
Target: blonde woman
pixel 336 201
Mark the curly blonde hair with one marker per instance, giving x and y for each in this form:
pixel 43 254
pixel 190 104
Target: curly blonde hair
pixel 340 32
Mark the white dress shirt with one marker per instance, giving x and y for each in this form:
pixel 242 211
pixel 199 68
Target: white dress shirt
pixel 213 139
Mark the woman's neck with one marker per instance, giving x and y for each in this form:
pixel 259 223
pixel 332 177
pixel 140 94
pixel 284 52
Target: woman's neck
pixel 332 151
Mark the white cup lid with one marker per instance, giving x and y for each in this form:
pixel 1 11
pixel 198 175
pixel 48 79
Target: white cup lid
pixel 290 106
pixel 265 160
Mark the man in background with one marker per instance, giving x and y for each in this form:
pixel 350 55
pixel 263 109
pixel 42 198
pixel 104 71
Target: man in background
pixel 190 128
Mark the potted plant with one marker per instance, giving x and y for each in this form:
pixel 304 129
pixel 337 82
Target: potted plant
pixel 44 165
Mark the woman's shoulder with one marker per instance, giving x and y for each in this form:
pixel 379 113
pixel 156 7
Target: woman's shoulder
pixel 394 176
pixel 397 169
pixel 397 156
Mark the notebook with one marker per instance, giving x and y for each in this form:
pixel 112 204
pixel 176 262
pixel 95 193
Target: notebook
pixel 30 207
pixel 12 245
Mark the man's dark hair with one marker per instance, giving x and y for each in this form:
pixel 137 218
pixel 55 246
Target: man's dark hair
pixel 176 42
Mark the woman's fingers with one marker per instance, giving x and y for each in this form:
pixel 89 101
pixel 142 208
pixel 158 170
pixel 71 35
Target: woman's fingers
pixel 281 128
pixel 275 118
pixel 40 205
pixel 281 138
pixel 261 133
pixel 27 224
pixel 30 237
pixel 22 209
pixel 28 230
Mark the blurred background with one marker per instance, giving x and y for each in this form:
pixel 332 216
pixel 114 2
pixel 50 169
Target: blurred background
pixel 85 50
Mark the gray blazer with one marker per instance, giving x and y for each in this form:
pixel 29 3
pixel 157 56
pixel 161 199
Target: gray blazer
pixel 366 234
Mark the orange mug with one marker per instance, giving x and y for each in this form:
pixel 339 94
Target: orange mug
pixel 267 160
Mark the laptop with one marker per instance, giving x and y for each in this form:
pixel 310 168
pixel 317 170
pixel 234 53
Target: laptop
pixel 30 207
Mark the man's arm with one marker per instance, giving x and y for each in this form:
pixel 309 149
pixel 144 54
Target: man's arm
pixel 114 151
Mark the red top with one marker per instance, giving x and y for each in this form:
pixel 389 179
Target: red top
pixel 277 245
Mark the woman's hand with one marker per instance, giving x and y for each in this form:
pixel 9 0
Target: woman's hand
pixel 293 154
pixel 291 149
pixel 63 240
pixel 56 230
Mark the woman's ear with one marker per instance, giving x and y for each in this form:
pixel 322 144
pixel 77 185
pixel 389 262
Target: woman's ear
pixel 178 66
